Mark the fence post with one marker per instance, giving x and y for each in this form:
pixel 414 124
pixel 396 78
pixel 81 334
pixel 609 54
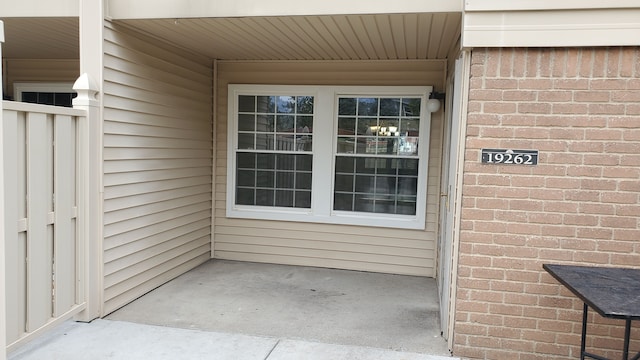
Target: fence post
pixel 3 318
pixel 90 197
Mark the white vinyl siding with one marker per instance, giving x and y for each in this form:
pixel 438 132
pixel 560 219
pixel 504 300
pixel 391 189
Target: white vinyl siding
pixel 157 164
pixel 399 251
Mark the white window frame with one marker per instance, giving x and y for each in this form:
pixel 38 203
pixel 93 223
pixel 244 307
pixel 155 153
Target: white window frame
pixel 324 153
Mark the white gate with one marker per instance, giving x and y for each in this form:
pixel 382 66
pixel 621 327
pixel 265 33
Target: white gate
pixel 44 262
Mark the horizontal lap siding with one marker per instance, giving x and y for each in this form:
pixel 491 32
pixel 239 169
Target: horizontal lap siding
pixel 157 164
pixel 396 251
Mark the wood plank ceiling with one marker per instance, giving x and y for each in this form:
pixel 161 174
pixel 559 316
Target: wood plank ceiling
pixel 330 37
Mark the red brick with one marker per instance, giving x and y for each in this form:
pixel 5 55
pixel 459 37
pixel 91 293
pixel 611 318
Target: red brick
pixel 555 96
pixel 594 184
pixel 534 108
pixel 592 258
pixel 619 222
pixel 607 84
pixel 560 206
pixel 594 233
pixel 604 134
pixel 608 109
pixel 571 109
pixel 613 246
pixel 578 244
pixel 626 96
pixel 592 96
pixel 535 84
pixel 571 84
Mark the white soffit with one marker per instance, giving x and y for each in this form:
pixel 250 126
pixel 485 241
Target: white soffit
pixel 511 5
pixel 41 38
pixel 161 9
pixel 38 8
pixel 550 28
pixel 338 37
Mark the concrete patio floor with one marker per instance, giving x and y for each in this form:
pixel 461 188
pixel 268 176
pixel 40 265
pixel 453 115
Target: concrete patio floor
pixel 239 310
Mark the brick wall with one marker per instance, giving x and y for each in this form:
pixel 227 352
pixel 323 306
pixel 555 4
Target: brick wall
pixel 580 205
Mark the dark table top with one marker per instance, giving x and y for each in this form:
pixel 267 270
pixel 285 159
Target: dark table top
pixel 612 292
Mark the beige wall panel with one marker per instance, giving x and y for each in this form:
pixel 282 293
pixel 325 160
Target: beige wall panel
pixel 154 278
pixel 350 247
pixel 39 70
pixel 157 137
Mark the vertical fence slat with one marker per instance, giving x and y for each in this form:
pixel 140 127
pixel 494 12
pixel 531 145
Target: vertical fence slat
pixel 64 242
pixel 39 264
pixel 14 287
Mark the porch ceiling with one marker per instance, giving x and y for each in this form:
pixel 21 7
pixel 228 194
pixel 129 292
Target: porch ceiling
pixel 41 38
pixel 323 37
pixel 327 37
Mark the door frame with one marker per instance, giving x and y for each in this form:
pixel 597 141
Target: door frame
pixel 457 86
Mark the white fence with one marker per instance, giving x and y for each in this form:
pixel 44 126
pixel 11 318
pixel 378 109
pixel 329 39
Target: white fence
pixel 43 247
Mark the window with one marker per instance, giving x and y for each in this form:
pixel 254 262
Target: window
pixel 57 94
pixel 329 154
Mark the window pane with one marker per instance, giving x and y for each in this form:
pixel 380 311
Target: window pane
pixel 286 104
pixel 367 126
pixel 266 104
pixel 245 196
pixel 343 202
pixel 284 198
pixel 377 184
pixel 63 99
pixel 389 107
pixel 264 197
pixel 409 127
pixel 30 97
pixel 304 143
pixel 304 162
pixel 303 181
pixel 345 164
pixel 259 183
pixel 305 105
pixel 346 145
pixel 363 203
pixel 408 167
pixel 266 179
pixel 264 142
pixel 367 106
pixel 266 123
pixel 285 143
pixel 285 162
pixel 304 124
pixel 266 161
pixel 285 180
pixel 246 103
pixel 408 186
pixel 246 122
pixel 344 183
pixel 246 141
pixel 365 184
pixel 411 106
pixel 246 160
pixel 46 98
pixel 285 123
pixel 303 199
pixel 386 184
pixel 346 106
pixel 246 178
pixel 346 126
